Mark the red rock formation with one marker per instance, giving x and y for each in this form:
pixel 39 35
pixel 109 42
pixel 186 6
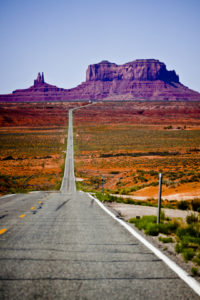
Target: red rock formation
pixel 39 80
pixel 142 79
pixel 140 69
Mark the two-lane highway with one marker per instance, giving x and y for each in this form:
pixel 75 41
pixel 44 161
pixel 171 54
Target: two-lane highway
pixel 67 247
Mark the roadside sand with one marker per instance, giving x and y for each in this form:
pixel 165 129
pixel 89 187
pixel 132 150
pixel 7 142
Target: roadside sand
pixel 130 211
pixel 177 197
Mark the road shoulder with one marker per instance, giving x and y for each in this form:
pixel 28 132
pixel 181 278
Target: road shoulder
pixel 184 275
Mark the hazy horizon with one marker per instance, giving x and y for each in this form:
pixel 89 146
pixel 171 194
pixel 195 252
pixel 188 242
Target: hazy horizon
pixel 62 38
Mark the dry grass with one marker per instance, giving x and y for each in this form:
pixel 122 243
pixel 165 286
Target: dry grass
pixel 32 138
pixel 31 159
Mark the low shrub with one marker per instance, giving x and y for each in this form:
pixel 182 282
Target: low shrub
pixel 142 178
pixel 196 260
pixel 152 229
pixel 195 178
pixel 162 215
pixel 168 127
pixel 188 242
pixel 153 183
pixel 196 204
pixel 191 240
pixel 168 227
pixel 194 271
pixel 143 222
pixel 107 197
pixel 153 173
pixel 191 218
pixel 165 239
pixel 178 248
pixel 190 230
pixel 129 201
pixel 188 254
pixel 114 172
pixel 184 205
pixel 150 226
pixel 128 190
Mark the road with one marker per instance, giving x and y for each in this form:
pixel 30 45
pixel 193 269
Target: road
pixel 68 182
pixel 62 245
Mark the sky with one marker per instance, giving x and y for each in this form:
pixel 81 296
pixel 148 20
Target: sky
pixel 62 37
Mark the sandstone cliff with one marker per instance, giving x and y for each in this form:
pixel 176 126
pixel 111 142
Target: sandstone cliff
pixel 142 79
pixel 140 69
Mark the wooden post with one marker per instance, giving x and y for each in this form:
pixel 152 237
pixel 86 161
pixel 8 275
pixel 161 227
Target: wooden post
pixel 102 182
pixel 159 197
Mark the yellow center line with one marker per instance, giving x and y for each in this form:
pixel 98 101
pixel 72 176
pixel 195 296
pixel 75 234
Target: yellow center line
pixel 22 216
pixel 3 230
pixel 32 208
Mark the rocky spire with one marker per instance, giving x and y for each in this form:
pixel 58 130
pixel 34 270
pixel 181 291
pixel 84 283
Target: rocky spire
pixel 40 79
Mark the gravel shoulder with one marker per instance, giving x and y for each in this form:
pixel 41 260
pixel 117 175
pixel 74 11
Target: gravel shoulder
pixel 131 211
pixel 128 211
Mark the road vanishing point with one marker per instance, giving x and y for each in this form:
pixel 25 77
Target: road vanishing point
pixel 63 245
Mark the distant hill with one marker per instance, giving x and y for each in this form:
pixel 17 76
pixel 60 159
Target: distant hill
pixel 142 79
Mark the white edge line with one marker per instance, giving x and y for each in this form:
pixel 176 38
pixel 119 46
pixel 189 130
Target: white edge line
pixel 10 195
pixel 171 264
pixel 7 196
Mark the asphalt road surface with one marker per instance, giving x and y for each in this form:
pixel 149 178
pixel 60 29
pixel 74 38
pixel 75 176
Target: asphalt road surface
pixel 68 182
pixel 62 245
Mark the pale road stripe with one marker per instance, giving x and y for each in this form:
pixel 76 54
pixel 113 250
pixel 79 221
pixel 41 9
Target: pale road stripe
pixel 34 192
pixel 172 265
pixel 7 196
pixel 10 195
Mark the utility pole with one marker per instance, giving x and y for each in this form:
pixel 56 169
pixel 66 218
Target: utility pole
pixel 159 197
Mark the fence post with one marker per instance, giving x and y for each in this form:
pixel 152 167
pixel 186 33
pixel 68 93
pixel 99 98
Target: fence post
pixel 159 197
pixel 102 182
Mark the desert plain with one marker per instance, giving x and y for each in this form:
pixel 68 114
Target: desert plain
pixel 129 143
pixel 125 143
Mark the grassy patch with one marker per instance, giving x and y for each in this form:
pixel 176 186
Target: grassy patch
pixel 192 218
pixel 188 254
pixel 188 242
pixel 150 226
pixel 187 236
pixel 165 239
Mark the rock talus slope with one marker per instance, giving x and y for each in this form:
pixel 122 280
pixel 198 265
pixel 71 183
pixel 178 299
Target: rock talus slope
pixel 142 79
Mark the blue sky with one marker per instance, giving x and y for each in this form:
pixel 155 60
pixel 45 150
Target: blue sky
pixel 61 38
